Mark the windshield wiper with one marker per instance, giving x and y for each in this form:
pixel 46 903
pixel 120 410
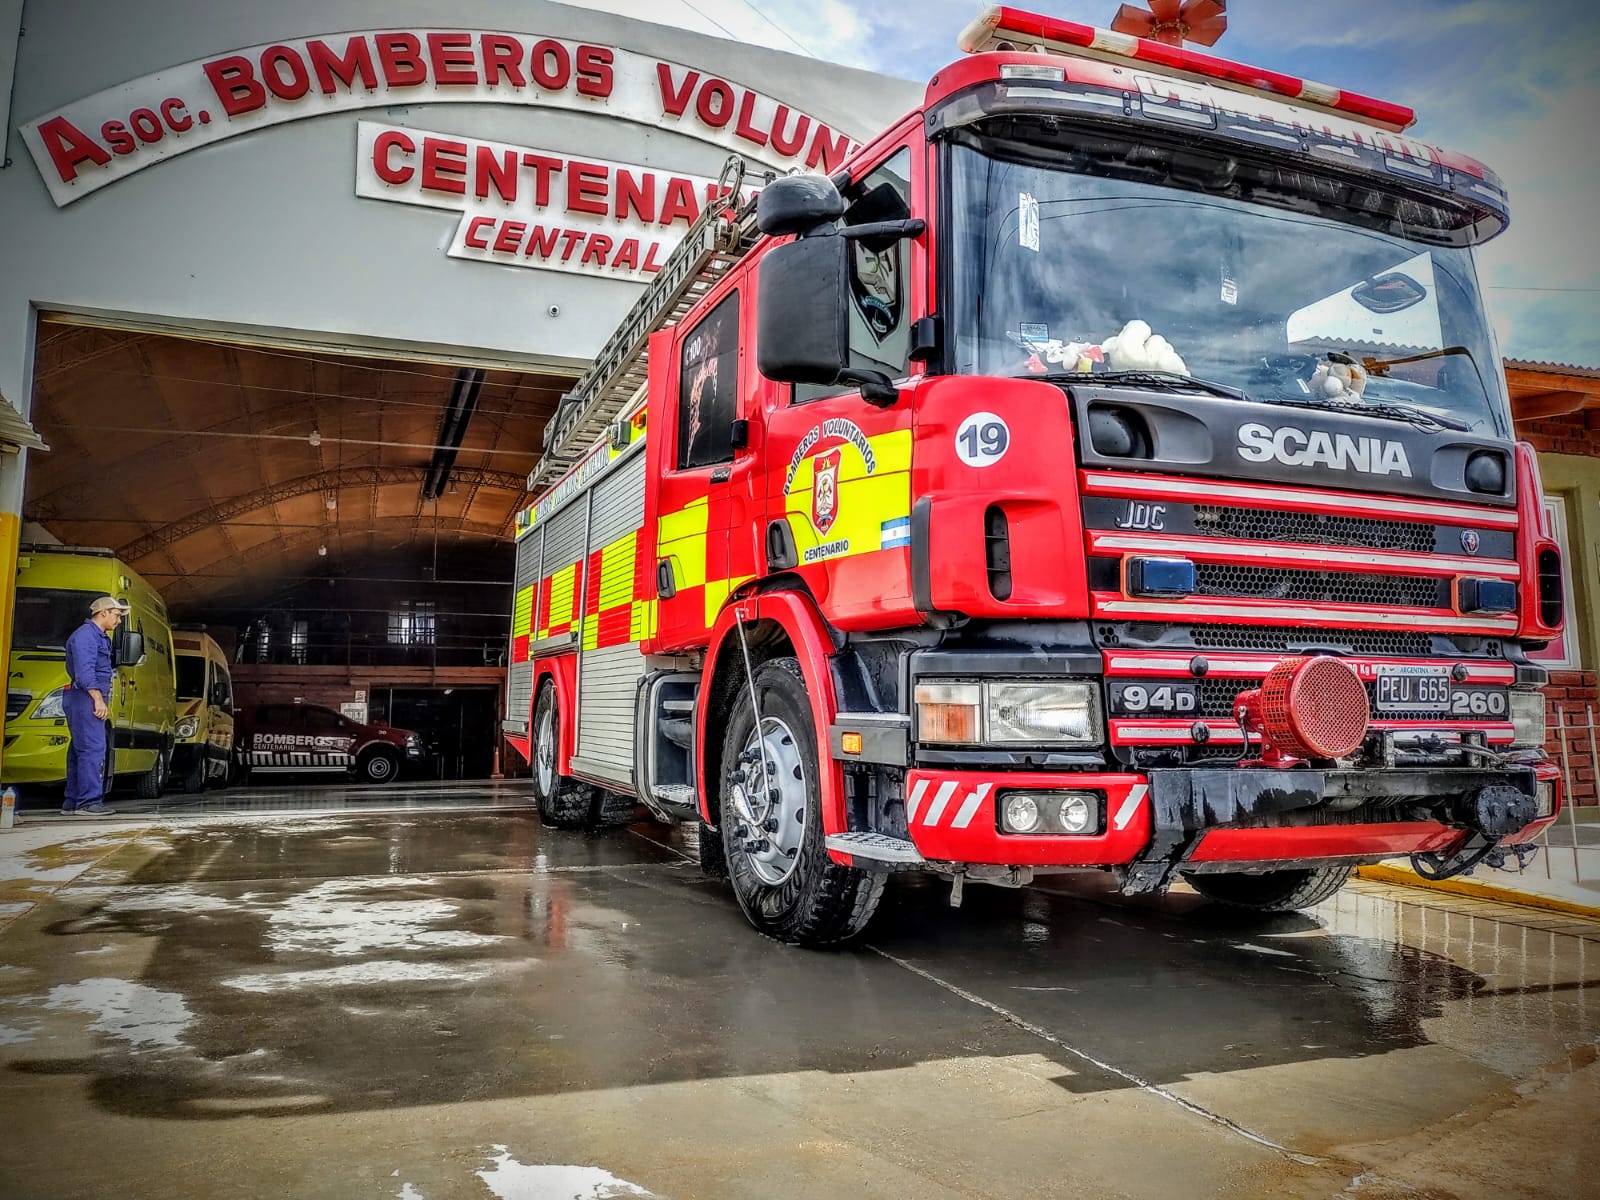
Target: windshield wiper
pixel 1420 417
pixel 1161 381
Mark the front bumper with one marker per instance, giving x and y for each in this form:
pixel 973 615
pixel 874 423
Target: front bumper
pixel 34 754
pixel 1156 824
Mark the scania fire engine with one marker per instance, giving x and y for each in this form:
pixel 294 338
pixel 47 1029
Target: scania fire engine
pixel 1109 468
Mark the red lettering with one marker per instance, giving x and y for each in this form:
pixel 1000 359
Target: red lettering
pixel 330 68
pixel 382 160
pixel 545 169
pixel 570 239
pixel 68 146
pixel 542 241
pixel 510 237
pixel 743 128
pixel 627 258
pixel 782 142
pixel 586 188
pixel 176 115
pixel 594 71
pixel 401 56
pixel 234 81
pixel 715 103
pixel 500 171
pixel 444 166
pixel 502 53
pixel 679 202
pixel 550 65
pixel 147 125
pixel 599 246
pixel 673 103
pixel 650 263
pixel 273 61
pixel 472 237
pixel 451 56
pixel 635 193
pixel 116 135
pixel 827 150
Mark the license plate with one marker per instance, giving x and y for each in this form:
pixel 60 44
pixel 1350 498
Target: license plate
pixel 1413 689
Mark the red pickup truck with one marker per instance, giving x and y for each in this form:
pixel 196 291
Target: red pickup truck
pixel 291 739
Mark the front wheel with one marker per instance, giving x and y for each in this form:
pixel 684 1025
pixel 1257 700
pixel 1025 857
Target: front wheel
pixel 771 819
pixel 153 782
pixel 564 803
pixel 1273 891
pixel 378 766
pixel 194 779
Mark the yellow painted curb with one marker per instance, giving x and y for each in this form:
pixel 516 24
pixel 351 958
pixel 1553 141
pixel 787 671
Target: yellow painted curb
pixel 1478 891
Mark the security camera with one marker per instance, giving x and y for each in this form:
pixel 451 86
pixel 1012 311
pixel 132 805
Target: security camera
pixel 554 310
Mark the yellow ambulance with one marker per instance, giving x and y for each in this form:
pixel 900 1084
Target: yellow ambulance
pixel 203 754
pixel 55 586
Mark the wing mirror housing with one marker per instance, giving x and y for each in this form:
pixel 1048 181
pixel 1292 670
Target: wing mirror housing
pixel 128 650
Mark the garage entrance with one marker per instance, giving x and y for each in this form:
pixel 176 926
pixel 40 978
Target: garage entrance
pixel 340 524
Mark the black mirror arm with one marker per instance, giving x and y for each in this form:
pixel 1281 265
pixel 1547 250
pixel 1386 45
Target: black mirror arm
pixel 886 230
pixel 877 388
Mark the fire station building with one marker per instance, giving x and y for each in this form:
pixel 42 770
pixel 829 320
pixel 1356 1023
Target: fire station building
pixel 290 290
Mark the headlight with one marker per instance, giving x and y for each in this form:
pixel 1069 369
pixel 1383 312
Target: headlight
pixel 187 726
pixel 1049 811
pixel 1011 712
pixel 1527 718
pixel 1545 797
pixel 52 707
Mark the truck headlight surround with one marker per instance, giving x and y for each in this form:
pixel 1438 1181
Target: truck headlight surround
pixel 186 728
pixel 1024 712
pixel 53 707
pixel 1051 811
pixel 1544 793
pixel 1527 719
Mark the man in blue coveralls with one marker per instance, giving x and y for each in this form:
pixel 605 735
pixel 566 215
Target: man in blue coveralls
pixel 87 701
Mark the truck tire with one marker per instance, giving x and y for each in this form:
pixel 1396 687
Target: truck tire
pixel 378 766
pixel 1275 891
pixel 614 810
pixel 777 861
pixel 564 803
pixel 153 782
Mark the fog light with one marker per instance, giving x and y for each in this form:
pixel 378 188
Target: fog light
pixel 1170 577
pixel 1544 797
pixel 1076 813
pixel 1019 813
pixel 948 712
pixel 1527 719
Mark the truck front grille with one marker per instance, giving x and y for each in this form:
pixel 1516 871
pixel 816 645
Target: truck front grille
pixel 1312 529
pixel 17 704
pixel 1339 587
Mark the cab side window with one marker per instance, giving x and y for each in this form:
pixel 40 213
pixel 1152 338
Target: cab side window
pixel 880 327
pixel 323 718
pixel 708 388
pixel 278 714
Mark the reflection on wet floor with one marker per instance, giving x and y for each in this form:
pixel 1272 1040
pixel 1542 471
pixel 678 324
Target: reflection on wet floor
pixel 362 962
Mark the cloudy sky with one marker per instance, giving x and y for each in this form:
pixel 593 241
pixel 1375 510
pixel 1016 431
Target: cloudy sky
pixel 1515 83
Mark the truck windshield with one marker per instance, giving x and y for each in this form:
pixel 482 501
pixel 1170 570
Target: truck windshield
pixel 1241 273
pixel 191 676
pixel 46 617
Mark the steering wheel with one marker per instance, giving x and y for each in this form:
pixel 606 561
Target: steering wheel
pixel 1286 371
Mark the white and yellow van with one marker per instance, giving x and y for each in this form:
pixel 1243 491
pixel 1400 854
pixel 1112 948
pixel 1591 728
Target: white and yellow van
pixel 202 756
pixel 55 586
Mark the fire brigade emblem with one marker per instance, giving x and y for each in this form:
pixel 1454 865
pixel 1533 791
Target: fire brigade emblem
pixel 1469 540
pixel 825 489
pixel 875 287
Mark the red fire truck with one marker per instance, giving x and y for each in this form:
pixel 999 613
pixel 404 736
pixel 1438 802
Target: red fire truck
pixel 1110 468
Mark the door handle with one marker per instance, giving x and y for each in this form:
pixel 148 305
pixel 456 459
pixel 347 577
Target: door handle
pixel 666 587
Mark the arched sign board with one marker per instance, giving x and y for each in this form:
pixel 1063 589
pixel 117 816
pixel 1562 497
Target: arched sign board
pixel 520 205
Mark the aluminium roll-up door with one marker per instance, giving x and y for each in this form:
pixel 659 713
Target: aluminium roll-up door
pixel 610 667
pixel 519 674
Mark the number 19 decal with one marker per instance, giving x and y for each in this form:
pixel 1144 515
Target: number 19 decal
pixel 982 440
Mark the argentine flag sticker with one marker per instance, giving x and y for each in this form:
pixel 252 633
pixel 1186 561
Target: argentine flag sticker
pixel 894 533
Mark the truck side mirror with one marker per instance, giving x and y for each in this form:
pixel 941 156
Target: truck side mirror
pixel 129 648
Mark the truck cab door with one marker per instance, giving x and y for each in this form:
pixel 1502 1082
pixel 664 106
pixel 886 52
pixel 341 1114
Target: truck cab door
pixel 702 467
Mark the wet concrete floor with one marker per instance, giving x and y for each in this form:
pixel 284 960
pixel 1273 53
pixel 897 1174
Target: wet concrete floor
pixel 422 1003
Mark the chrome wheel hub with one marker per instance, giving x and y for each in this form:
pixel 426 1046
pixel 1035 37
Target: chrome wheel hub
pixel 769 801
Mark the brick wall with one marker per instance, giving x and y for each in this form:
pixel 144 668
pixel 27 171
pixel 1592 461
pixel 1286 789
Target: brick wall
pixel 1575 433
pixel 1572 696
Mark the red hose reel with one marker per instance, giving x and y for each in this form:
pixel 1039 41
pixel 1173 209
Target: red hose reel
pixel 1307 708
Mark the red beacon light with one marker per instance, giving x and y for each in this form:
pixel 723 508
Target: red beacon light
pixel 1001 28
pixel 1306 708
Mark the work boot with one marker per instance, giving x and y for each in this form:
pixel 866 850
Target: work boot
pixel 96 809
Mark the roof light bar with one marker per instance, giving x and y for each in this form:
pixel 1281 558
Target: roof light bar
pixel 1001 28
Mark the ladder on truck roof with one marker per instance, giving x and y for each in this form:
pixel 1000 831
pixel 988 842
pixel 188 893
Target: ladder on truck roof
pixel 717 239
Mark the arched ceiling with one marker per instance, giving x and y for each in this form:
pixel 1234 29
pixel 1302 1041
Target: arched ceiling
pixel 219 469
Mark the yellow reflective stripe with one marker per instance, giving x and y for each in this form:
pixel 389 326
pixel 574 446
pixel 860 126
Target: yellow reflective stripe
pixel 522 617
pixel 616 571
pixel 563 590
pixel 591 632
pixel 688 521
pixel 642 623
pixel 717 594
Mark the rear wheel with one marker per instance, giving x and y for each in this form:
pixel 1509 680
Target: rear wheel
pixel 771 818
pixel 564 803
pixel 1274 891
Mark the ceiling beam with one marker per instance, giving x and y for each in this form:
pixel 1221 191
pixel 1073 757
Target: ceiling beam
pixel 322 481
